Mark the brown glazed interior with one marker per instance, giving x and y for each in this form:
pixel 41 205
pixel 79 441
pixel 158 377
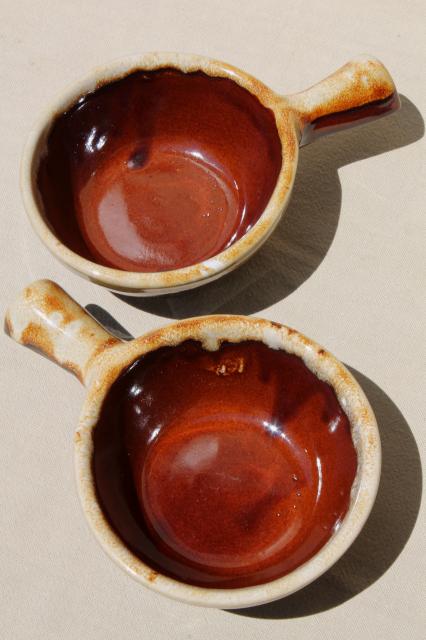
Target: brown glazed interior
pixel 159 170
pixel 223 469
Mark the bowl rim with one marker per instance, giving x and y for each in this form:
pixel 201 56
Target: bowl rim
pixel 132 282
pixel 211 331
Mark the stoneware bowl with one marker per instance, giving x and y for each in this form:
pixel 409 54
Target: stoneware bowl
pixel 162 172
pixel 307 459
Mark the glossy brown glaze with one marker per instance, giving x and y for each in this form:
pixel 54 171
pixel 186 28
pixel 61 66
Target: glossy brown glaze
pixel 340 120
pixel 159 170
pixel 223 469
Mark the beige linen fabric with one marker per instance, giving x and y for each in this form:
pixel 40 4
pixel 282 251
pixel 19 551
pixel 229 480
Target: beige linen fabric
pixel 346 266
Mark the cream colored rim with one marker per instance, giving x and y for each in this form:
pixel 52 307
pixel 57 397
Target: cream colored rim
pixel 194 275
pixel 210 331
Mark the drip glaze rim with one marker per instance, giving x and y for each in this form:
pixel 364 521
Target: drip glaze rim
pixel 139 283
pixel 211 331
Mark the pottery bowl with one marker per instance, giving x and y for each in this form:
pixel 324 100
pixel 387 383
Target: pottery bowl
pixel 162 172
pixel 223 461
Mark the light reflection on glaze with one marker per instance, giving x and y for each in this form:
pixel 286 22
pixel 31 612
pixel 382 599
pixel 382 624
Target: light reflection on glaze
pixel 334 424
pixel 319 469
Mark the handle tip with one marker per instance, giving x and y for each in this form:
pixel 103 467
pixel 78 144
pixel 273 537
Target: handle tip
pixel 359 91
pixel 46 319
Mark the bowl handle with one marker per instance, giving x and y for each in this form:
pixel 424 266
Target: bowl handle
pixel 358 92
pixel 48 320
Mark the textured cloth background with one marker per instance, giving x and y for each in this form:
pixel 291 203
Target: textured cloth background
pixel 345 266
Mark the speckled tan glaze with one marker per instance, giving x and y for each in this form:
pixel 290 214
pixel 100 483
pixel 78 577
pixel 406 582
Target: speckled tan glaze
pixel 44 316
pixel 354 85
pixel 358 82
